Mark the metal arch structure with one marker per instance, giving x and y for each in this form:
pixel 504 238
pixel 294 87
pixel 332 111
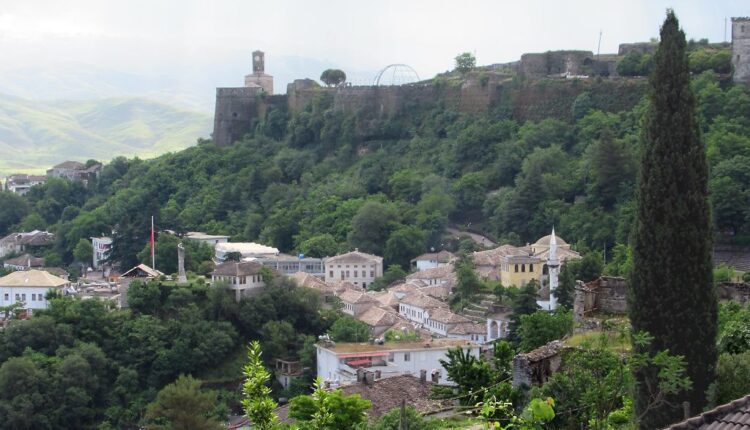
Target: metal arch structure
pixel 400 74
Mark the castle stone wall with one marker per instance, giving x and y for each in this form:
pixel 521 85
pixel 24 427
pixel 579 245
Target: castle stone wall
pixel 553 63
pixel 741 49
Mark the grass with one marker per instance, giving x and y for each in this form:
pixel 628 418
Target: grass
pixel 615 335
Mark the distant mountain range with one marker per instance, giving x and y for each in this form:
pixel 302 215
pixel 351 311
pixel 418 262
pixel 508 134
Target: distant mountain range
pixel 35 135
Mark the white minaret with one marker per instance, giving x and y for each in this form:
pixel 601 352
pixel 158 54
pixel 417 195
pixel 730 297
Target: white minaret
pixel 552 266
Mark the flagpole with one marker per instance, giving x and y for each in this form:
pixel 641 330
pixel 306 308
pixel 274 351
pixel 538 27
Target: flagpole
pixel 153 255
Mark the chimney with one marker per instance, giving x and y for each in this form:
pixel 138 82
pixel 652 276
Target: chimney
pixel 378 374
pixel 423 375
pixel 369 378
pixel 360 375
pixel 435 377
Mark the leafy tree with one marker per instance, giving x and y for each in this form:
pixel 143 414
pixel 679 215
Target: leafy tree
pixel 404 244
pixel 472 374
pixel 672 241
pixel 279 339
pixel 333 77
pixel 732 377
pixel 257 402
pixel 325 409
pixel 392 274
pixel 23 404
pixel 182 405
pixel 13 209
pixel 83 251
pixel 582 105
pixel 541 327
pixel 465 62
pixel 414 420
pixel 349 329
pixel 320 246
pixel 524 303
pixel 372 225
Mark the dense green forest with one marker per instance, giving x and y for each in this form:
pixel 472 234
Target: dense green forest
pixel 309 182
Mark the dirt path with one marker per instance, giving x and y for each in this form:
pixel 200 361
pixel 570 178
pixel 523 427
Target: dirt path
pixel 478 238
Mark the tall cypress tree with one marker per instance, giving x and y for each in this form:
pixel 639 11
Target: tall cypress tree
pixel 672 294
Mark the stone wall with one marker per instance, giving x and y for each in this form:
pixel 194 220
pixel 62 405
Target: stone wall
pixel 607 295
pixel 640 47
pixel 554 63
pixel 738 292
pixel 536 367
pixel 741 49
pixel 236 114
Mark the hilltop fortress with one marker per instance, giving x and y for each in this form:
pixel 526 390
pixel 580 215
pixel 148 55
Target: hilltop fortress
pixel 560 77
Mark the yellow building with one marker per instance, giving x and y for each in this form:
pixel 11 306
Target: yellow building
pixel 513 265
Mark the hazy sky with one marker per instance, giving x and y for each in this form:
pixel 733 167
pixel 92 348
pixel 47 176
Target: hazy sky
pixel 180 36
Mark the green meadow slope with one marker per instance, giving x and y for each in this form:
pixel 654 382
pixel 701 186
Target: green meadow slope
pixel 35 135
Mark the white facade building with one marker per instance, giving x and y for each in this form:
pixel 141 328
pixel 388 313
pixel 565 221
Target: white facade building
pixel 245 249
pixel 339 363
pixel 433 260
pixel 101 246
pixel 416 307
pixel 243 277
pixel 358 268
pixel 29 287
pixel 210 239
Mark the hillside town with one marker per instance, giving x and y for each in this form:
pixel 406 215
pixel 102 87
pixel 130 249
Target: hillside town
pixel 558 242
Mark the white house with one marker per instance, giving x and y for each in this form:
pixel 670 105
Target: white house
pixel 245 249
pixel 415 307
pixel 243 277
pixel 101 246
pixel 21 184
pixel 29 287
pixel 338 363
pixel 210 239
pixel 356 302
pixel 359 268
pixel 433 260
pixel 23 242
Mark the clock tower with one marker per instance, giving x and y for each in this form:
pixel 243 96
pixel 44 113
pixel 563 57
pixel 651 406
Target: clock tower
pixel 259 79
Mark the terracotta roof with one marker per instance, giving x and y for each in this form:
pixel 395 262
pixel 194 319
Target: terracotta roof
pixel 440 292
pixel 492 257
pixel 731 416
pixel 74 165
pixel 352 347
pixel 440 257
pixel 356 297
pixel 354 257
pixel 33 238
pixel 544 241
pixel 26 260
pixel 423 301
pixel 235 268
pixel 308 280
pixel 378 317
pixel 406 288
pixel 563 254
pixel 444 315
pixel 387 298
pixel 141 268
pixel 442 272
pixel 386 394
pixel 33 279
pixel 468 328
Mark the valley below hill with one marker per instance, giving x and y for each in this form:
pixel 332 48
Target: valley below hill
pixel 35 135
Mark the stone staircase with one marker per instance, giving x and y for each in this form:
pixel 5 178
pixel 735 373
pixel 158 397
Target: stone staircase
pixel 478 309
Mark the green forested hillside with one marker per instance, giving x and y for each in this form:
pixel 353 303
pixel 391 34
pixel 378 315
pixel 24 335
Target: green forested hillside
pixel 307 183
pixel 35 134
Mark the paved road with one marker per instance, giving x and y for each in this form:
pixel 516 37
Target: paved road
pixel 478 238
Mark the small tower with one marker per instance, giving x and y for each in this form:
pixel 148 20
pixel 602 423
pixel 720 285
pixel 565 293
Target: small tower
pixel 552 265
pixel 741 49
pixel 259 79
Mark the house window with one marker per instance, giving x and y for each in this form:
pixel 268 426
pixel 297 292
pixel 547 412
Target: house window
pixel 331 274
pixel 364 285
pixel 523 268
pixel 356 273
pixel 347 273
pixel 7 296
pixel 531 267
pixel 407 356
pixel 18 297
pixel 516 268
pixel 33 297
pixel 23 297
pixel 342 274
pixel 372 273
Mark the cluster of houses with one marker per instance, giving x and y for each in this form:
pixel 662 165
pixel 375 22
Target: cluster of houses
pixel 411 323
pixel 21 183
